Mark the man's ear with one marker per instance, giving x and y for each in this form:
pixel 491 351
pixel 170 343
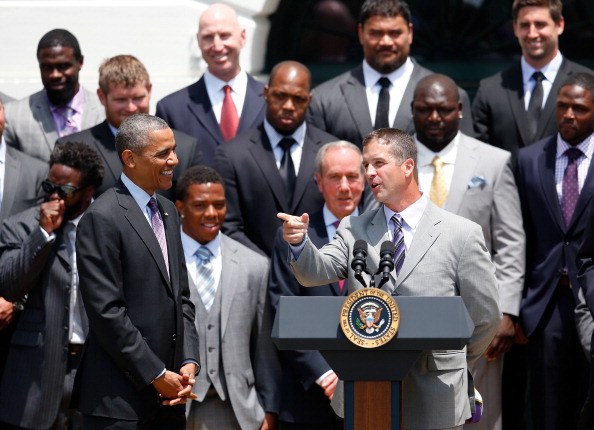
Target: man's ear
pixel 128 158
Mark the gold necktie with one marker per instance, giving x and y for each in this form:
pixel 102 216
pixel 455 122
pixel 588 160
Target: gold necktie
pixel 439 188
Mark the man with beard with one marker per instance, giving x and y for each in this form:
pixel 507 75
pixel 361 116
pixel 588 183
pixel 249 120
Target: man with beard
pixel 376 94
pixel 38 264
pixel 63 107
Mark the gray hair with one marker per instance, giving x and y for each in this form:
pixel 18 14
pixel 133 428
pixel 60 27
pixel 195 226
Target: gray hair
pixel 134 132
pixel 331 145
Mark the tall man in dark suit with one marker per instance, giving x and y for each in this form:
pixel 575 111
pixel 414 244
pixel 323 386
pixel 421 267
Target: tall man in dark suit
pixel 474 180
pixel 34 123
pixel 308 382
pixel 269 169
pixel 225 100
pixel 142 351
pixel 38 260
pixel 20 182
pixel 376 94
pixel 501 109
pixel 238 387
pixel 556 183
pixel 125 89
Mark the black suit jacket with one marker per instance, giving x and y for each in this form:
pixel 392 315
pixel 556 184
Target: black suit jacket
pixel 550 245
pixel 302 400
pixel 190 111
pixel 102 140
pixel 499 113
pixel 141 319
pixel 254 187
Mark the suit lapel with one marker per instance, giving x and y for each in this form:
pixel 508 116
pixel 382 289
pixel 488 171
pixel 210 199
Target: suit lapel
pixel 229 279
pixel 40 106
pixel 515 95
pixel 251 108
pixel 427 232
pixel 319 237
pixel 89 111
pixel 201 108
pixel 353 91
pixel 585 196
pixel 172 238
pixel 306 167
pixel 549 107
pixel 11 178
pixel 105 145
pixel 403 119
pixel 546 169
pixel 261 150
pixel 466 162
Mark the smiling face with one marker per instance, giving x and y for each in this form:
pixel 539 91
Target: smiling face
pixel 203 211
pixel 538 35
pixel 121 101
pixel 59 73
pixel 221 39
pixel 575 113
pixel 386 42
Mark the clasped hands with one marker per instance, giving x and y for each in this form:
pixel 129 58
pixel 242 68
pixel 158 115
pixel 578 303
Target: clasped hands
pixel 176 388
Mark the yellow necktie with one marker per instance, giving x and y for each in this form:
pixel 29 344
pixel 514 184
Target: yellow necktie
pixel 439 188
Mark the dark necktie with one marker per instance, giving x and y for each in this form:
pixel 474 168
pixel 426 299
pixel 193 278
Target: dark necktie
pixel 535 105
pixel 570 188
pixel 342 282
pixel 398 241
pixel 383 104
pixel 159 229
pixel 229 117
pixel 287 170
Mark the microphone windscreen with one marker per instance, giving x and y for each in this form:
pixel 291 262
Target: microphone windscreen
pixel 387 246
pixel 360 245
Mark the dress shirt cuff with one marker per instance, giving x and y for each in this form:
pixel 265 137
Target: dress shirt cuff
pixel 297 249
pixel 159 375
pixel 48 236
pixel 321 378
pixel 193 362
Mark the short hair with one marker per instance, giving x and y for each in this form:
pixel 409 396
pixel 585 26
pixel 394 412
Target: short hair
pixel 296 65
pixel 124 70
pixel 401 143
pixel 197 175
pixel 60 37
pixel 582 80
pixel 134 132
pixel 319 161
pixel 81 157
pixel 555 8
pixel 384 8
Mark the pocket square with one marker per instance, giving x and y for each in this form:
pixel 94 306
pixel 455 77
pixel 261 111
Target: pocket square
pixel 477 181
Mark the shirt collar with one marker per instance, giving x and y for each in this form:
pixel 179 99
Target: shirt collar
pixel 371 76
pixel 275 137
pixel 138 194
pixel 411 215
pixel 586 146
pixel 330 218
pixel 76 104
pixel 191 245
pixel 549 70
pixel 447 154
pixel 112 129
pixel 2 150
pixel 214 84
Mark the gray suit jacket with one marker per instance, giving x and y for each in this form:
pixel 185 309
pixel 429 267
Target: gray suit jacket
pixel 338 106
pixel 494 204
pixel 23 175
pixel 248 356
pixel 30 126
pixel 31 388
pixel 447 257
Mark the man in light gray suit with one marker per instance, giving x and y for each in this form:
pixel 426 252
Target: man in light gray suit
pixel 476 181
pixel 444 255
pixel 63 107
pixel 237 387
pixel 353 104
pixel 38 260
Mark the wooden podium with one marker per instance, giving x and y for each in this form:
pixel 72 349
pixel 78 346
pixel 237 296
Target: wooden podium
pixel 372 377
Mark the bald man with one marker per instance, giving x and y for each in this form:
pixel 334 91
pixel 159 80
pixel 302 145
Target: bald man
pixel 261 177
pixel 226 100
pixel 474 180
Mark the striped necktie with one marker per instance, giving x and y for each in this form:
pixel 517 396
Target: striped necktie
pixel 206 282
pixel 398 241
pixel 159 229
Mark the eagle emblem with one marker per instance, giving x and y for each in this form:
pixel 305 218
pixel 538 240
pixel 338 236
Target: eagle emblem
pixel 369 317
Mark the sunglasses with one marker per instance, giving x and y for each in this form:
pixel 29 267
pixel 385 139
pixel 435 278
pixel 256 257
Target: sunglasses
pixel 64 191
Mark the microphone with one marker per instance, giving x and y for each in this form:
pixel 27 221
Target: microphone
pixel 386 264
pixel 359 255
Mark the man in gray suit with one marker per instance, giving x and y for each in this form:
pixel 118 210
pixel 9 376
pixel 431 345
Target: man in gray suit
pixel 474 180
pixel 378 93
pixel 38 260
pixel 34 123
pixel 237 388
pixel 444 255
pixel 20 182
pixel 501 106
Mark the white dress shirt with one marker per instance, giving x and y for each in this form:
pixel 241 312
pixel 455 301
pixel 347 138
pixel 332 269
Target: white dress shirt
pixel 216 93
pixel 550 73
pixel 296 150
pixel 410 220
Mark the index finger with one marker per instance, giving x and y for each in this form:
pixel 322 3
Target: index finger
pixel 285 217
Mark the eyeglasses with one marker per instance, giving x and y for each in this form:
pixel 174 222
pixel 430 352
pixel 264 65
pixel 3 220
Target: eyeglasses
pixel 64 191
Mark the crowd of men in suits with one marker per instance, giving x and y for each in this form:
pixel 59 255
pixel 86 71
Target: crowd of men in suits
pixel 142 258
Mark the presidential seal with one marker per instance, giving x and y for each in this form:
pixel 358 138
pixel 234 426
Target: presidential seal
pixel 369 317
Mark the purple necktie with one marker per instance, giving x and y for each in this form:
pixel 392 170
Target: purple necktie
pixel 159 229
pixel 398 241
pixel 570 191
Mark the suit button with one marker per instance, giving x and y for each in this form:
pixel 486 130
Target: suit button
pixel 211 371
pixel 210 349
pixel 210 327
pixel 173 337
pixel 566 243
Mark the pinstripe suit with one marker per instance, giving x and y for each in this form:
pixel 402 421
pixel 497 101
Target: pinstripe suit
pixel 32 386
